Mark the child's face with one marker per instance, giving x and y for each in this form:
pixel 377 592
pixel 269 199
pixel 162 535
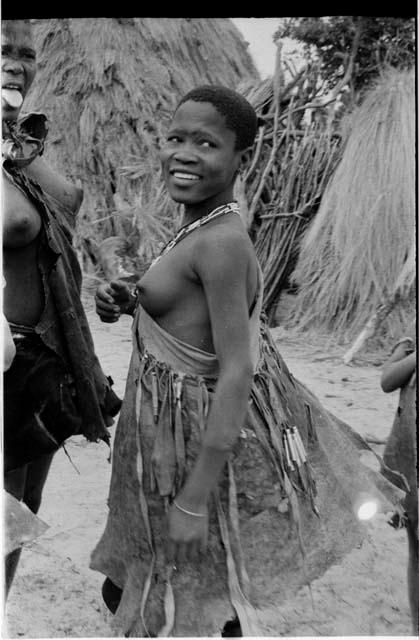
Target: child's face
pixel 199 159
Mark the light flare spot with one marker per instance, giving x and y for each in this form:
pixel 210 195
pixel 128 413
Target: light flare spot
pixel 367 510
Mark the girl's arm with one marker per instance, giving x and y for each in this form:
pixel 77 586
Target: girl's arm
pixel 398 369
pixel 222 267
pixel 9 349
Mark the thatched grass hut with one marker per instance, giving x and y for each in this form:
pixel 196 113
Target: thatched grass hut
pixel 108 86
pixel 357 261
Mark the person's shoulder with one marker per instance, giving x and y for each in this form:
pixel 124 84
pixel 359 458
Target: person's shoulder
pixel 225 235
pixel 227 232
pixel 55 185
pixel 223 245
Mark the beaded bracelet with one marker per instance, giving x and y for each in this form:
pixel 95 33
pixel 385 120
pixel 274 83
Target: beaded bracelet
pixel 190 513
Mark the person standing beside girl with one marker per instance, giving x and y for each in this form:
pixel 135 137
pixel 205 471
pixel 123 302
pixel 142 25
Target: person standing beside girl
pixel 400 453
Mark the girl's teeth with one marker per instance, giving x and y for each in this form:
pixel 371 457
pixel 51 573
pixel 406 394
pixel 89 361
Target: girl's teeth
pixel 186 176
pixel 12 97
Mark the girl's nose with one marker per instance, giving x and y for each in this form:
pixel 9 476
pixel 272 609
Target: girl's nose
pixel 12 66
pixel 184 153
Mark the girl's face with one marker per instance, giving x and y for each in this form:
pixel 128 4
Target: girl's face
pixel 199 159
pixel 18 66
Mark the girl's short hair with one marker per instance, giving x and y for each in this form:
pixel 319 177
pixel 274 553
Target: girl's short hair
pixel 239 114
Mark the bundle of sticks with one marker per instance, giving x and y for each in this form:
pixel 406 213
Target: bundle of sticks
pixel 295 153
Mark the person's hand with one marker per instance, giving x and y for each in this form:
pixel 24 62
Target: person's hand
pixel 111 300
pixel 187 535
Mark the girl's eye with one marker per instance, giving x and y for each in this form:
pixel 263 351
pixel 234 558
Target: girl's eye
pixel 29 54
pixel 172 139
pixel 207 144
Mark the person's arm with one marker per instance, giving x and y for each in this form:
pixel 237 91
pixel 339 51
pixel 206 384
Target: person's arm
pixel 222 268
pixel 398 369
pixel 59 188
pixel 9 349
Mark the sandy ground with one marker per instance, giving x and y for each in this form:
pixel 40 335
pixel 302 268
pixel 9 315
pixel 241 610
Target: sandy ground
pixel 55 594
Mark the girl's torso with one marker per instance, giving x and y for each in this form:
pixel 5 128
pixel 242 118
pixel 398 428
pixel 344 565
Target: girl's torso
pixel 171 291
pixel 23 295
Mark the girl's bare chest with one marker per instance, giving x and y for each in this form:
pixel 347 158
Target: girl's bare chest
pixel 21 220
pixel 168 285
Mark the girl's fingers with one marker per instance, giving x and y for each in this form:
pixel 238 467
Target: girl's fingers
pixel 119 290
pixel 203 543
pixel 194 551
pixel 118 285
pixel 175 553
pixel 171 552
pixel 107 308
pixel 108 316
pixel 181 553
pixel 104 297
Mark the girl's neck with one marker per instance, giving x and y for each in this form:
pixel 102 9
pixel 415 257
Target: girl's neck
pixel 195 212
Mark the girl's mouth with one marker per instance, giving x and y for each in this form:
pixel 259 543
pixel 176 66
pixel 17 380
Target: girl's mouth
pixel 184 176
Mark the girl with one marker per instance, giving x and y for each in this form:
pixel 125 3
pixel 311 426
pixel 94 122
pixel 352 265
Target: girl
pixel 231 486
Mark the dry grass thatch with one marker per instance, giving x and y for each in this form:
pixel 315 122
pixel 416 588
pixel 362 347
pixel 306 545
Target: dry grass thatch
pixel 358 256
pixel 108 86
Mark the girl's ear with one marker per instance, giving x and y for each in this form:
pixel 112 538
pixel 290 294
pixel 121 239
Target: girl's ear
pixel 246 158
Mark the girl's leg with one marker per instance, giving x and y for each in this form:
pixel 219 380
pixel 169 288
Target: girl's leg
pixel 35 481
pixel 412 573
pixel 25 483
pixel 232 629
pixel 111 595
pixel 14 483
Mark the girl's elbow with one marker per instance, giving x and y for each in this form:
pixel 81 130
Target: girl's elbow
pixel 385 387
pixel 387 383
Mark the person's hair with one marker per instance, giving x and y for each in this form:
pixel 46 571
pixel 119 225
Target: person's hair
pixel 239 114
pixel 8 24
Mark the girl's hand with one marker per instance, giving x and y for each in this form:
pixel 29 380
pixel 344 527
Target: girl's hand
pixel 111 300
pixel 187 535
